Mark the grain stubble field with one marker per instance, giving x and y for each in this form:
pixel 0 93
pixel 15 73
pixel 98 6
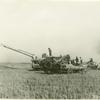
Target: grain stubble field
pixel 18 81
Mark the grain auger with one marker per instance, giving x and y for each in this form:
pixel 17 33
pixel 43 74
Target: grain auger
pixel 32 56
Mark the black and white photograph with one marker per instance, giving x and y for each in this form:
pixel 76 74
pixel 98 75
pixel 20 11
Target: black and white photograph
pixel 49 49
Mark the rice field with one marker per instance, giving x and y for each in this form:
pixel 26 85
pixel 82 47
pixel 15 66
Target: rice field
pixel 20 82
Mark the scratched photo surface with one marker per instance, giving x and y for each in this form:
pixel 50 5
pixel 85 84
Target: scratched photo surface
pixel 49 49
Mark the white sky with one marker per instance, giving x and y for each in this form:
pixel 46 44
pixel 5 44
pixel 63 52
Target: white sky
pixel 66 27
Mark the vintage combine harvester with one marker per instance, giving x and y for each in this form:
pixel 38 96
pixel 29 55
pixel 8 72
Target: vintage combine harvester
pixel 50 64
pixel 34 61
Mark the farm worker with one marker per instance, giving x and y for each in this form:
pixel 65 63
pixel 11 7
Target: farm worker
pixel 68 58
pixel 81 61
pixel 91 60
pixel 72 61
pixel 50 52
pixel 77 60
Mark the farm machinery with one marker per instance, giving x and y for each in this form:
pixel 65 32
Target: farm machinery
pixel 51 64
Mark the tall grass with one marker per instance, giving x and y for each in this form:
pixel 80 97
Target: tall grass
pixel 34 85
pixel 54 87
